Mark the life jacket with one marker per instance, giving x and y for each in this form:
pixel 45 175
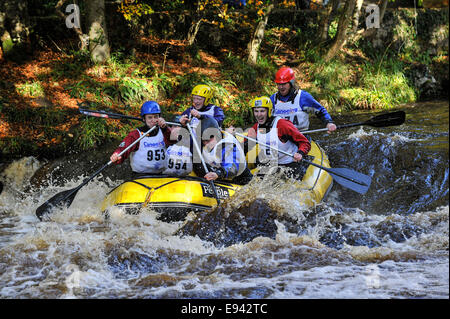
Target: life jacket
pixel 268 155
pixel 195 121
pixel 292 111
pixel 214 157
pixel 151 156
pixel 179 160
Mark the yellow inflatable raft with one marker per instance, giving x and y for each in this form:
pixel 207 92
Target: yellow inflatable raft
pixel 174 197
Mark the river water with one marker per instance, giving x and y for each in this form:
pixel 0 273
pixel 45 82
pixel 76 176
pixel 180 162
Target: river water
pixel 389 243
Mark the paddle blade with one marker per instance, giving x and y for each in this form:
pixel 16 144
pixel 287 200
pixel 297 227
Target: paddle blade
pixel 351 179
pixel 61 199
pixel 390 119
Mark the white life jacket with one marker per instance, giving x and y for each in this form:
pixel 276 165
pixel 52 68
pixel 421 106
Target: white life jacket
pixel 179 160
pixel 195 121
pixel 151 156
pixel 292 112
pixel 214 157
pixel 267 155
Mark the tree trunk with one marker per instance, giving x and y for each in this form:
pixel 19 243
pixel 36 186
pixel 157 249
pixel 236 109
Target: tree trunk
pixel 329 15
pixel 193 30
pixel 383 10
pixel 98 36
pixel 366 33
pixel 341 36
pixel 15 22
pixel 84 38
pixel 356 14
pixel 197 19
pixel 258 36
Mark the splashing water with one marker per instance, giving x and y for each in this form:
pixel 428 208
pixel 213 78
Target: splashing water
pixel 390 243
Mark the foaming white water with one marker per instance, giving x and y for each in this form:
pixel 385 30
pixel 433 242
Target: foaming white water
pixel 389 279
pixel 392 138
pixel 436 238
pixel 69 257
pixel 79 254
pixel 270 188
pixel 17 174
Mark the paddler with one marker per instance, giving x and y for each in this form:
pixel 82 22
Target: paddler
pixel 223 155
pixel 149 155
pixel 280 134
pixel 295 105
pixel 202 107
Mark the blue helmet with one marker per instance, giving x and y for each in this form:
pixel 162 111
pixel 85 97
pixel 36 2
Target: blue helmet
pixel 150 107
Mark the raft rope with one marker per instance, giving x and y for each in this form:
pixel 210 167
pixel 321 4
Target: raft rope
pixel 152 190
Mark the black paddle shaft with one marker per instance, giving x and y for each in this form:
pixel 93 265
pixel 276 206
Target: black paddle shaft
pixel 107 115
pixel 115 116
pixel 66 198
pixel 348 178
pixel 203 161
pixel 383 120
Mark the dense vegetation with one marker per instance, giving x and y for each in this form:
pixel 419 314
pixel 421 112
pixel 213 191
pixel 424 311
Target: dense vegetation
pixel 160 50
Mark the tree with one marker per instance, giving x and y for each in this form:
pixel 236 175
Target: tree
pixel 84 38
pixel 215 12
pixel 132 9
pixel 96 39
pixel 14 19
pixel 370 32
pixel 356 14
pixel 341 35
pixel 98 35
pixel 198 17
pixel 329 15
pixel 258 35
pixel 263 10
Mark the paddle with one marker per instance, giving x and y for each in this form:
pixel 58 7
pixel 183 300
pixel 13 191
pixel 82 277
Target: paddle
pixel 203 161
pixel 108 115
pixel 66 198
pixel 383 120
pixel 346 177
pixel 116 116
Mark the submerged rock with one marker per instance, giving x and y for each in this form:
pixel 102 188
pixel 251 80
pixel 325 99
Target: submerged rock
pixel 225 227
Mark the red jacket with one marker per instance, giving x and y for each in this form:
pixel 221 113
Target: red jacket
pixel 134 135
pixel 288 132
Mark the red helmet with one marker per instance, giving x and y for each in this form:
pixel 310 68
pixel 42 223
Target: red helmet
pixel 284 75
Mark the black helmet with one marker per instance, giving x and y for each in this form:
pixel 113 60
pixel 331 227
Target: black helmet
pixel 209 128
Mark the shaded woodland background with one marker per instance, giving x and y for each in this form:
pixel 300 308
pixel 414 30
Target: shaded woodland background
pixel 126 52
